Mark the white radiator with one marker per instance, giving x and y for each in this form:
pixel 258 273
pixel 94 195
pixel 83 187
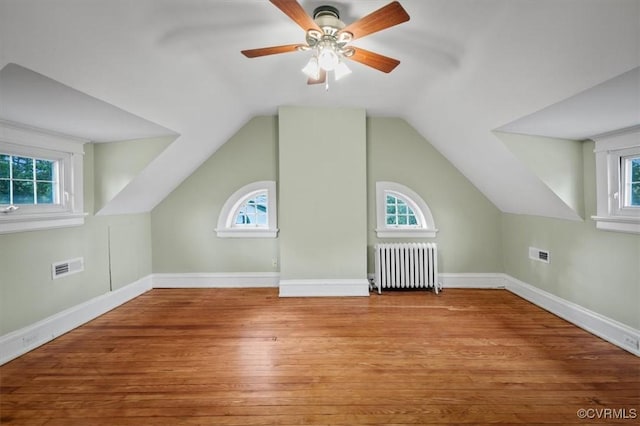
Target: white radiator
pixel 406 265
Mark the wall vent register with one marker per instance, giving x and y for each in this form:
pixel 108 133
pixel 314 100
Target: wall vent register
pixel 67 267
pixel 539 255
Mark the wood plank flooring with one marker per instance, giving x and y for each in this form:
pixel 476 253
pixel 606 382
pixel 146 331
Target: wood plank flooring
pixel 247 357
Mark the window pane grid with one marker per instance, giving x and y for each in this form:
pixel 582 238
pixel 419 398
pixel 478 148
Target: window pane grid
pixel 631 181
pixel 253 212
pixel 398 213
pixel 27 180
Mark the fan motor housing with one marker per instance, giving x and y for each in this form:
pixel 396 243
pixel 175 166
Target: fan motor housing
pixel 328 18
pixel 326 10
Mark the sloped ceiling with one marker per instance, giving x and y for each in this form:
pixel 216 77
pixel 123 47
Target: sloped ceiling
pixel 607 107
pixel 31 98
pixel 467 67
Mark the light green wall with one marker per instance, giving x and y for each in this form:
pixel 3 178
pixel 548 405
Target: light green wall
pixel 557 162
pixel 183 224
pixel 322 193
pixel 117 163
pixel 595 269
pixel 598 270
pixel 468 223
pixel 27 292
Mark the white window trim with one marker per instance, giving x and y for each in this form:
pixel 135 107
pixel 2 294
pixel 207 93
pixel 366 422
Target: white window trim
pixel 610 216
pixel 226 219
pixel 426 229
pixel 25 141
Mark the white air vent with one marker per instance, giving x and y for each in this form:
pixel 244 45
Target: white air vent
pixel 67 267
pixel 539 255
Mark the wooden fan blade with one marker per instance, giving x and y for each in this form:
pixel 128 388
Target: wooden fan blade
pixel 320 80
pixel 264 51
pixel 385 17
pixel 293 10
pixel 374 60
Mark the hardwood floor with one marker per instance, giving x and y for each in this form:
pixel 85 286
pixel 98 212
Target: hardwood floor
pixel 247 357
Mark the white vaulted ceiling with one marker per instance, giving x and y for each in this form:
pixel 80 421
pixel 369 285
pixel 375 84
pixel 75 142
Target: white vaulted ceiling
pixel 31 98
pixel 468 67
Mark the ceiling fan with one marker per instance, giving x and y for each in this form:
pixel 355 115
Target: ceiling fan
pixel 329 39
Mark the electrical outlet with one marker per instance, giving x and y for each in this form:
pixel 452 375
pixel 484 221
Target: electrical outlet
pixel 632 342
pixel 274 262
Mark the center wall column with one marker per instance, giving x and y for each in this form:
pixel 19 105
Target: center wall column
pixel 322 209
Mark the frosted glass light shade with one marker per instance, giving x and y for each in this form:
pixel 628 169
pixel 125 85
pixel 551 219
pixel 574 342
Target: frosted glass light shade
pixel 312 70
pixel 341 70
pixel 328 59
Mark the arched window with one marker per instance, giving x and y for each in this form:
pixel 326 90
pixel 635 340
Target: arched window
pixel 253 212
pixel 250 212
pixel 398 211
pixel 402 213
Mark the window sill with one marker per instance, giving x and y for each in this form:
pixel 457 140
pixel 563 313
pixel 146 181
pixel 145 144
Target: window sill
pixel 406 233
pixel 39 221
pixel 618 223
pixel 247 233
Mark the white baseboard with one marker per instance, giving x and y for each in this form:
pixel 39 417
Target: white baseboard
pixel 606 328
pixel 324 288
pixel 216 280
pixel 471 280
pixel 21 341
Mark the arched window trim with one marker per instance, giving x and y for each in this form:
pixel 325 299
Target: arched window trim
pixel 426 226
pixel 227 228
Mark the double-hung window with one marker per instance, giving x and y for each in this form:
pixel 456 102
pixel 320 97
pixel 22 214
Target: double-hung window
pixel 618 181
pixel 40 180
pixel 29 182
pixel 630 173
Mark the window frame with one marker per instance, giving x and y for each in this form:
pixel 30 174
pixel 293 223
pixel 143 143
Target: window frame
pixel 426 226
pixel 410 205
pixel 610 151
pixel 61 161
pixel 227 228
pixel 243 203
pixel 626 180
pixel 68 152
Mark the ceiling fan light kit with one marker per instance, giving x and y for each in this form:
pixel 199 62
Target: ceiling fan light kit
pixel 329 46
pixel 328 37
